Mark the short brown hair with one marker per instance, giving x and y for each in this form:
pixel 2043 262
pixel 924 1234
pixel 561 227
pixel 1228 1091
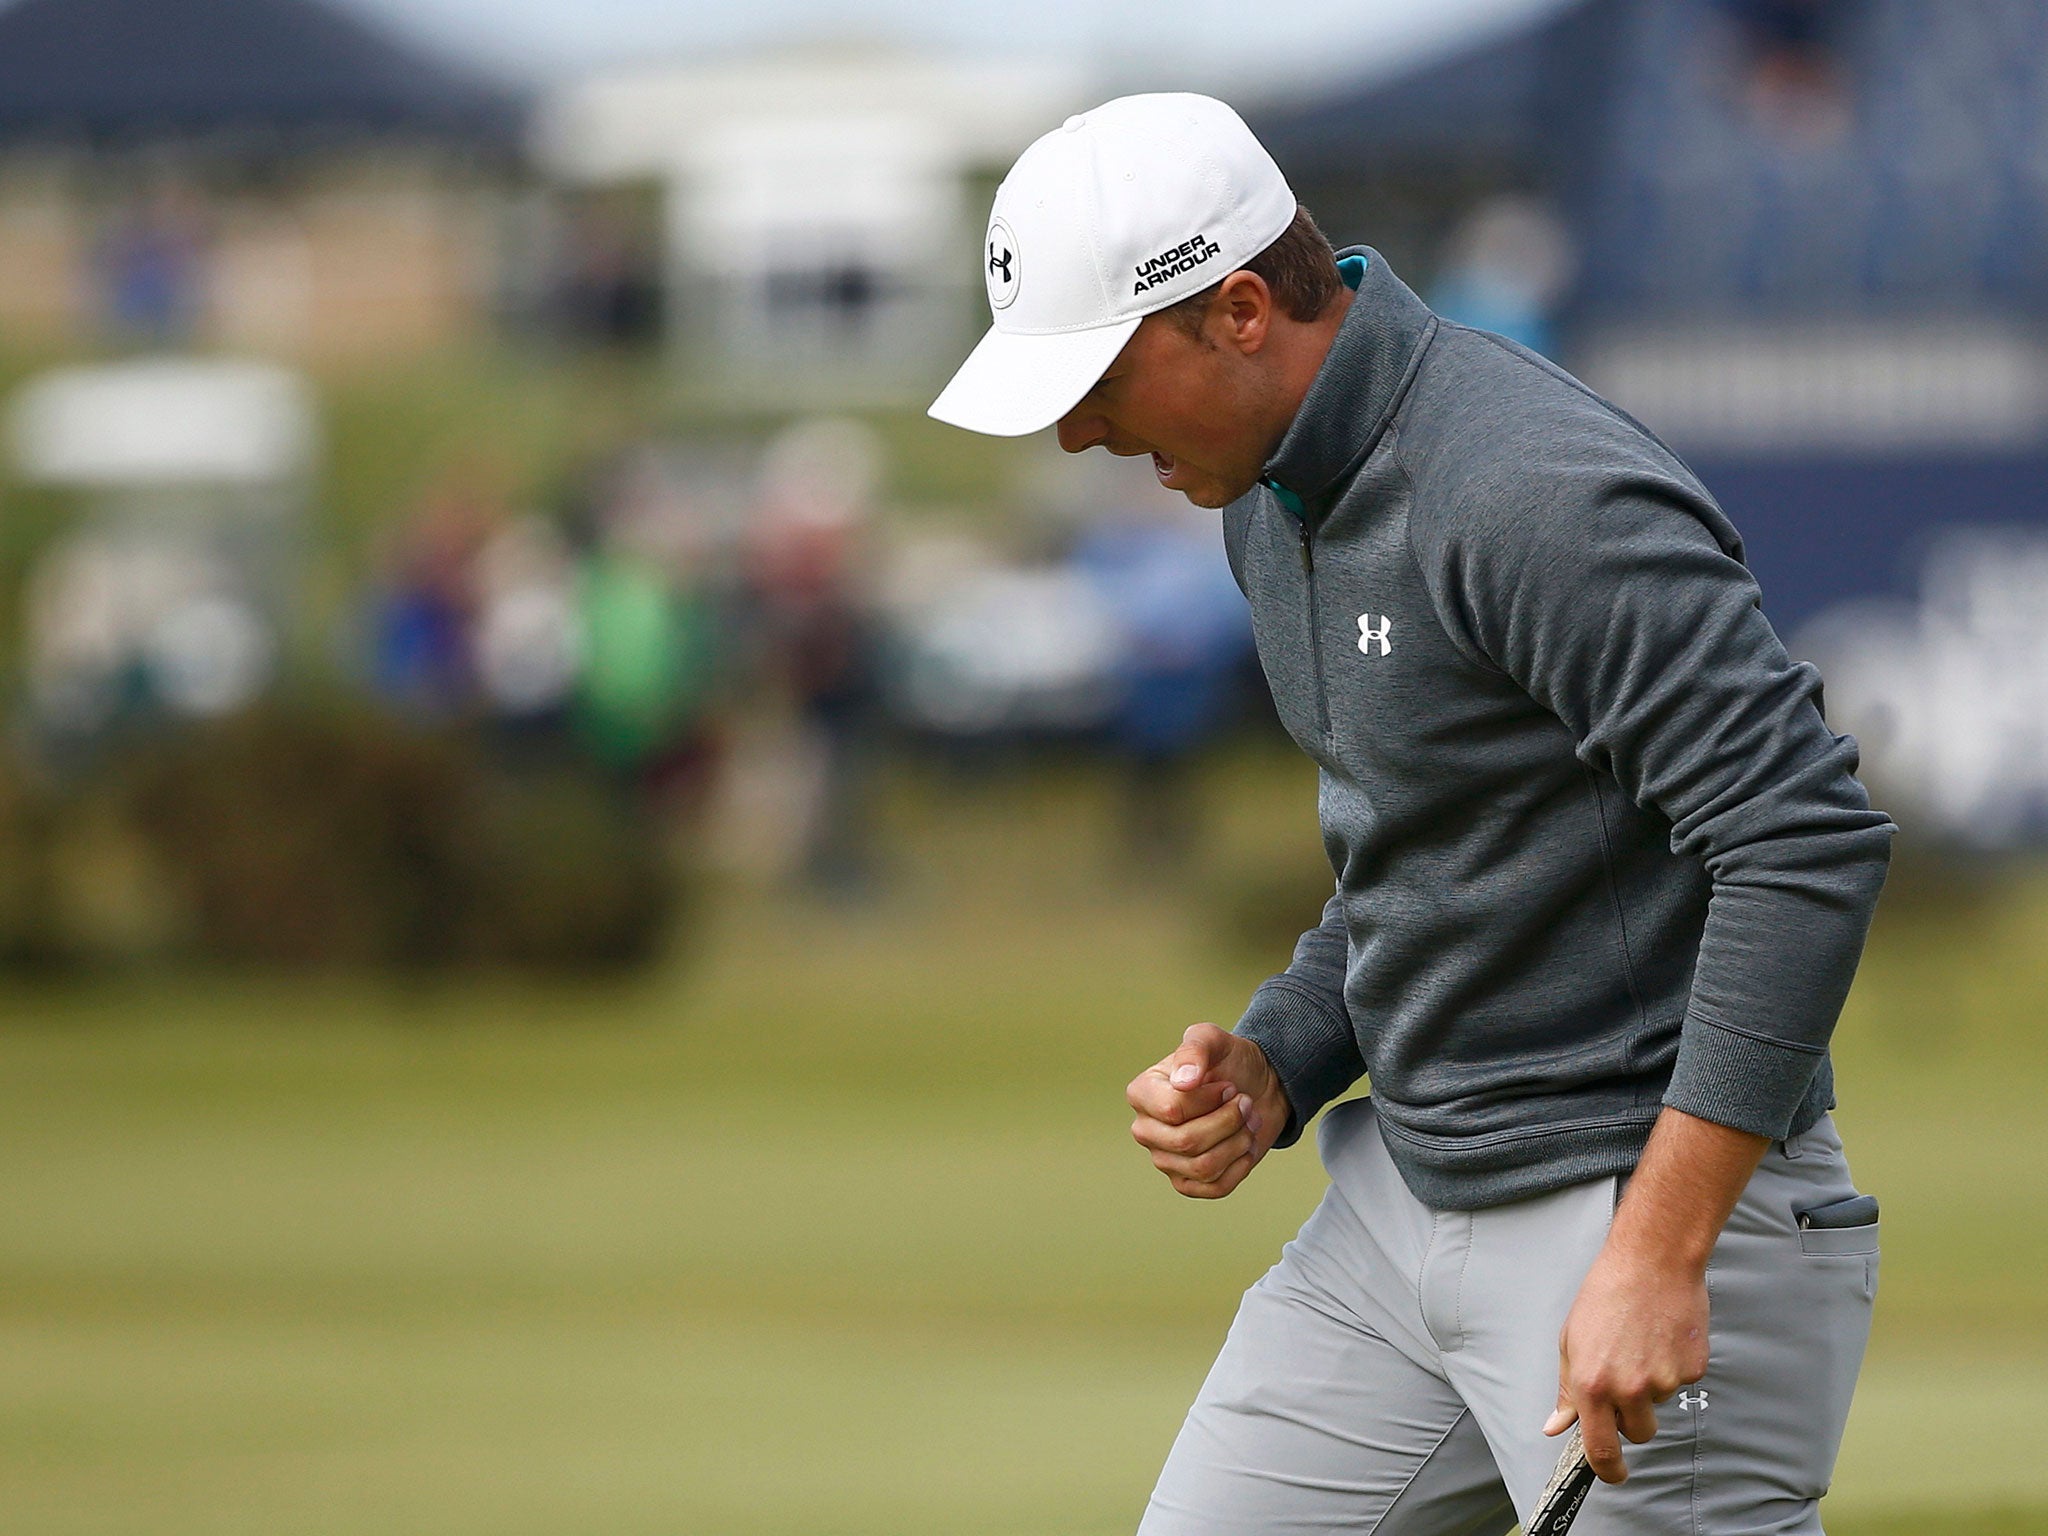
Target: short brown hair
pixel 1300 268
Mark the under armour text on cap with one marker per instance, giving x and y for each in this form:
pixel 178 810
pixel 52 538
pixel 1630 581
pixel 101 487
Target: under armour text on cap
pixel 1116 213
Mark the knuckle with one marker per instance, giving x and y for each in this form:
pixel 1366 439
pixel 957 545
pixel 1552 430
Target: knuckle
pixel 1211 1165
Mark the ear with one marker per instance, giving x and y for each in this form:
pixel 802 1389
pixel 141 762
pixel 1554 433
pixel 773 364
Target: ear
pixel 1241 314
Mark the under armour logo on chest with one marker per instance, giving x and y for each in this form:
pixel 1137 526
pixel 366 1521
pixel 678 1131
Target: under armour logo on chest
pixel 1370 634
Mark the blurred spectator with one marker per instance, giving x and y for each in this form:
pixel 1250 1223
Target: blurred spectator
pixel 646 660
pixel 610 289
pixel 1185 635
pixel 124 623
pixel 815 642
pixel 994 651
pixel 152 268
pixel 529 634
pixel 1508 265
pixel 1795 83
pixel 422 610
pixel 611 641
pixel 654 631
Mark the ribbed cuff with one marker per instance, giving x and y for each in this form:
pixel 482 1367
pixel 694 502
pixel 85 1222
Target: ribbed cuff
pixel 1741 1080
pixel 1309 1043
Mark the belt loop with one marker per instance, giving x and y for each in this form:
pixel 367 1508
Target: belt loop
pixel 1793 1147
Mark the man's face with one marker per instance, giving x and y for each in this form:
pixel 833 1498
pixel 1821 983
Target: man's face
pixel 1197 404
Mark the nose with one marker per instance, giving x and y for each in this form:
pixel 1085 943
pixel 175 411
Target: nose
pixel 1081 429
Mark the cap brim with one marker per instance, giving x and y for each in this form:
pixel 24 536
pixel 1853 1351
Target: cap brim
pixel 1013 384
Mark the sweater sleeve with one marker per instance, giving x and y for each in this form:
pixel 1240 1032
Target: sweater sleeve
pixel 1300 1020
pixel 1617 598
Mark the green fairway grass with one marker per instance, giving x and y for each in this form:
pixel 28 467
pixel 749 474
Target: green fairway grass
pixel 832 1227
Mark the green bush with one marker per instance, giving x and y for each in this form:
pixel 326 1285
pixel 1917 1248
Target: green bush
pixel 300 836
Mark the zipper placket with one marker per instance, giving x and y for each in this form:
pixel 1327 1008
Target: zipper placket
pixel 1293 503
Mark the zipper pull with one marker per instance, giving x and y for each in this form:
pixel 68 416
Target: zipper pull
pixel 1308 552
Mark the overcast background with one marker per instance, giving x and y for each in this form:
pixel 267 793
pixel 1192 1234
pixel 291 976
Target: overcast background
pixel 1213 42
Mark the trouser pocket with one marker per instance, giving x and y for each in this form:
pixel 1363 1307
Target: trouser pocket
pixel 1751 1446
pixel 1793 1283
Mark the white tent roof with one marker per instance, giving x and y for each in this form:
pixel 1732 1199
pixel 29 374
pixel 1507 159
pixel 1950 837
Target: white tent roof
pixel 652 122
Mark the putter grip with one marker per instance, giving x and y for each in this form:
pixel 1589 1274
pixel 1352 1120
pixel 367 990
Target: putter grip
pixel 1566 1490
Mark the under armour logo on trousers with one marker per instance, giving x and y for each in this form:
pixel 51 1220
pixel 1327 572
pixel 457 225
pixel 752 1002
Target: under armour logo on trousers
pixel 1693 1402
pixel 1367 634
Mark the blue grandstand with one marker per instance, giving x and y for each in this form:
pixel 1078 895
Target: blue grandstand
pixel 1808 244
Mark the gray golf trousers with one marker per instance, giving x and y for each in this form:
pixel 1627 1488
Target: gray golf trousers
pixel 1392 1372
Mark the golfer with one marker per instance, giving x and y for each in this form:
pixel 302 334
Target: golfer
pixel 1602 873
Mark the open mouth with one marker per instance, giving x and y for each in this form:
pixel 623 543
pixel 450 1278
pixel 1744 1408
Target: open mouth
pixel 1163 466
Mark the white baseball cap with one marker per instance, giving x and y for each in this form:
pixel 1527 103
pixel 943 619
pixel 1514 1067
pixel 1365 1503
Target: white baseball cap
pixel 1116 213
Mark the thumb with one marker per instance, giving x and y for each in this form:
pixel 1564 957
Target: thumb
pixel 1199 1049
pixel 1563 1416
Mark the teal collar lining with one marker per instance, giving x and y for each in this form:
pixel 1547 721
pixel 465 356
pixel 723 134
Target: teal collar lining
pixel 1352 269
pixel 1287 498
pixel 1369 367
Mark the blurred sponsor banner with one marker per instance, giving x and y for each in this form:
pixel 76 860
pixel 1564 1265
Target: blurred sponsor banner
pixel 1948 694
pixel 162 422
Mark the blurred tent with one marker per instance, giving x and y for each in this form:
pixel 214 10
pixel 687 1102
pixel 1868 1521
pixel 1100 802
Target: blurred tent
pixel 1398 158
pixel 816 207
pixel 1497 105
pixel 126 71
pixel 275 174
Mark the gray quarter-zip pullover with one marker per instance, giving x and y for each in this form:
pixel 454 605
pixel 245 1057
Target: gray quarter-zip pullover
pixel 1596 850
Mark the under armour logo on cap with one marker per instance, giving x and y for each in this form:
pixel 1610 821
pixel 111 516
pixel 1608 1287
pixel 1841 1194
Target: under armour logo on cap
pixel 1003 274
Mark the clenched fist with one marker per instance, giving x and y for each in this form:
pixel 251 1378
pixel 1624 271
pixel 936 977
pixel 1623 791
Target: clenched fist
pixel 1208 1112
